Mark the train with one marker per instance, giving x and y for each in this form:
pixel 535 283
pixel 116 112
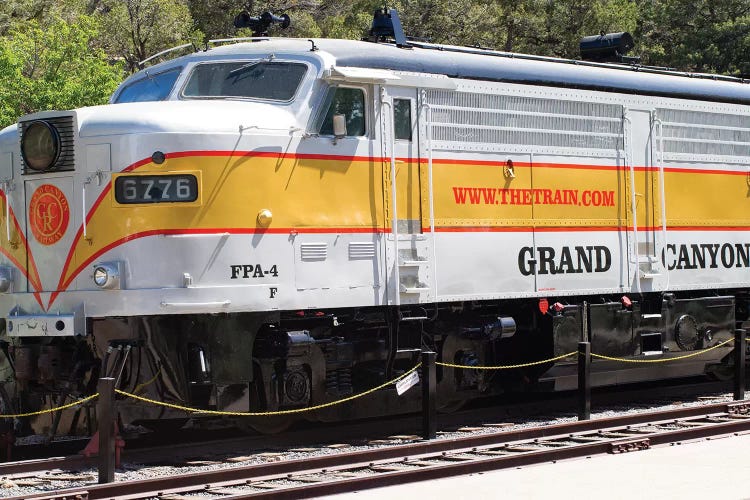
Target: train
pixel 279 223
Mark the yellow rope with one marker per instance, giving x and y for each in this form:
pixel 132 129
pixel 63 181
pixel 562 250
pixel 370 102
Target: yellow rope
pixel 662 360
pixel 350 398
pixel 147 383
pixel 265 413
pixel 507 367
pixel 50 410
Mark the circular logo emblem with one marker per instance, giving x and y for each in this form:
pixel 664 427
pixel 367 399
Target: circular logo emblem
pixel 49 214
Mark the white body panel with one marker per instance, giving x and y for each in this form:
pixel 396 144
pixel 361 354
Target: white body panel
pixel 179 273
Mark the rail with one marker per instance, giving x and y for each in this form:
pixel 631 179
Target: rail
pixel 425 460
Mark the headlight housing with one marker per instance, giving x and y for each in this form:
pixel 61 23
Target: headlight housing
pixel 40 146
pixel 6 278
pixel 106 275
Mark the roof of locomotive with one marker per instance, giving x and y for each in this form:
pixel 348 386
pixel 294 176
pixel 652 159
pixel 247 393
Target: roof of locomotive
pixel 483 64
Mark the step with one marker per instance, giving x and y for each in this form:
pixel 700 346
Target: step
pixel 412 263
pixel 650 276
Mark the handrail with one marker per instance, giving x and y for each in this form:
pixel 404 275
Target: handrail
pixel 163 52
pixel 83 203
pixel 394 212
pixel 662 183
pixel 98 175
pixel 428 112
pixel 629 156
pixel 6 190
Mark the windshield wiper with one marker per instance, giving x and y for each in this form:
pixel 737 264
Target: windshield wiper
pixel 242 69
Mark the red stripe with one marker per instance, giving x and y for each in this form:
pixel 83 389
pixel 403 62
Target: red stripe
pixel 435 161
pixel 525 229
pixel 79 233
pixel 30 268
pixel 64 283
pixel 276 230
pixel 573 229
pixel 682 170
pixel 272 154
pixel 708 228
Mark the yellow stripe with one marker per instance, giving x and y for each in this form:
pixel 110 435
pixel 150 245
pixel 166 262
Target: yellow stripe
pixel 316 194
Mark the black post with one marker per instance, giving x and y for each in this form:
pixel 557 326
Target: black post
pixel 739 364
pixel 584 380
pixel 429 395
pixel 105 417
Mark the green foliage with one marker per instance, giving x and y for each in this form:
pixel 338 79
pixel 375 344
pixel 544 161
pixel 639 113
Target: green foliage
pixel 59 53
pixel 215 18
pixel 711 36
pixel 53 67
pixel 138 29
pixel 42 11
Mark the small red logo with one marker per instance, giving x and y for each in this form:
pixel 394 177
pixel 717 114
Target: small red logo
pixel 49 214
pixel 543 306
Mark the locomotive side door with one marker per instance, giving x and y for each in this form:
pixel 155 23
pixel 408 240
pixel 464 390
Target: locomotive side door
pixel 407 247
pixel 645 202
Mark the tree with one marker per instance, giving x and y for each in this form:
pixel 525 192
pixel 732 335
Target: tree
pixel 138 29
pixel 42 11
pixel 55 67
pixel 696 35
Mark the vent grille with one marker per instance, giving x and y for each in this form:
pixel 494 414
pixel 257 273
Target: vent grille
pixel 314 251
pixel 66 130
pixel 702 133
pixel 464 117
pixel 361 251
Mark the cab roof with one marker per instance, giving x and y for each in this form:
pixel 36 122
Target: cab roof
pixel 488 65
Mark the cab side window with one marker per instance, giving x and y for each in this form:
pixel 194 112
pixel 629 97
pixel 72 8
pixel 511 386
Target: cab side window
pixel 349 102
pixel 151 88
pixel 402 119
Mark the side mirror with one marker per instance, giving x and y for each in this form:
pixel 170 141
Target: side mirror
pixel 339 126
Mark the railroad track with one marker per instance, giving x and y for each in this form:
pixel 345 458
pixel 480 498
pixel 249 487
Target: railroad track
pixel 420 461
pixel 185 447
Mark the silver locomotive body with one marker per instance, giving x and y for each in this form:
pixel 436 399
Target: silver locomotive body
pixel 263 226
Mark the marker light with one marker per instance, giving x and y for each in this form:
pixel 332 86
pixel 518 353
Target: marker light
pixel 264 218
pixel 107 275
pixel 6 278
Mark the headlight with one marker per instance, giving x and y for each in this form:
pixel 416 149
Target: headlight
pixel 40 146
pixel 107 275
pixel 6 278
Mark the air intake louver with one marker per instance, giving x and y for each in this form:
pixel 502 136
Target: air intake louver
pixel 66 130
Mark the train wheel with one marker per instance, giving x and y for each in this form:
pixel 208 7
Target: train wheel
pixel 720 372
pixel 7 407
pixel 274 424
pixel 452 406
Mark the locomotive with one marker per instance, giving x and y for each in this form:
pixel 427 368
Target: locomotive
pixel 277 223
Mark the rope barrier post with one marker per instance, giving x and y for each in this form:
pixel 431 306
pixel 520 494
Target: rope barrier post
pixel 739 364
pixel 429 395
pixel 584 380
pixel 105 418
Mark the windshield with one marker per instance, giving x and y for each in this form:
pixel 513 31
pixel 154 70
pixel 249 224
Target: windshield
pixel 277 81
pixel 152 88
